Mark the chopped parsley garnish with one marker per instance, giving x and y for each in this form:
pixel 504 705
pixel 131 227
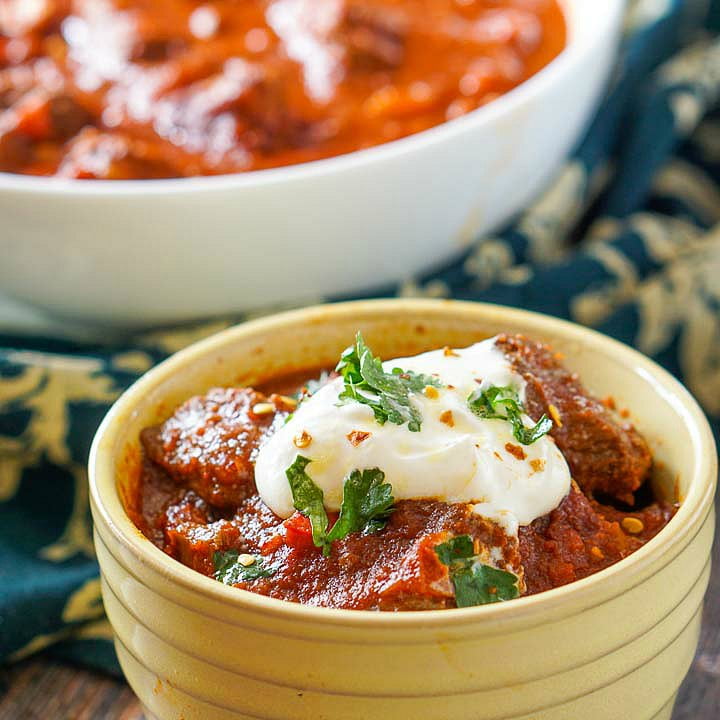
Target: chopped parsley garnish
pixel 503 403
pixel 474 582
pixel 308 500
pixel 387 393
pixel 230 570
pixel 366 504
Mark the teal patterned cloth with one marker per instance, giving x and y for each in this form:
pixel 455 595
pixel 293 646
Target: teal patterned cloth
pixel 626 240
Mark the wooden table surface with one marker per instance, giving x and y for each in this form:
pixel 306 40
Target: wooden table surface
pixel 46 690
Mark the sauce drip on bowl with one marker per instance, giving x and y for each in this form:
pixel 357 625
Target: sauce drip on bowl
pixel 117 89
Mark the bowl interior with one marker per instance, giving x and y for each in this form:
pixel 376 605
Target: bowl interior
pixel 286 348
pixel 587 25
pixel 307 339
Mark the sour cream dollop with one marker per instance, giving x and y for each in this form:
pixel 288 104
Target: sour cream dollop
pixel 455 457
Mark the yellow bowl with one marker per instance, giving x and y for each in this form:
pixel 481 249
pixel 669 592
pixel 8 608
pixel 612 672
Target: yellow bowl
pixel 614 645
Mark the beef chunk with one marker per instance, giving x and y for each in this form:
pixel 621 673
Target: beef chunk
pixel 570 543
pixel 93 154
pixel 193 535
pixel 240 102
pixel 605 455
pixel 146 503
pixel 210 441
pixel 373 37
pixel 394 569
pixel 344 36
pixel 67 117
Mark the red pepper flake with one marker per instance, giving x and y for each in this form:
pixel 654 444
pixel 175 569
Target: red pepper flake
pixel 355 437
pixel 302 440
pixel 537 465
pixel 625 413
pixel 447 418
pixel 609 402
pixel 516 451
pixel 555 415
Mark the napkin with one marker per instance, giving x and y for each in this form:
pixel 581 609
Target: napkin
pixel 626 239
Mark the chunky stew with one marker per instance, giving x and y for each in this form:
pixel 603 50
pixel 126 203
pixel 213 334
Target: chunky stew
pixel 117 89
pixel 574 497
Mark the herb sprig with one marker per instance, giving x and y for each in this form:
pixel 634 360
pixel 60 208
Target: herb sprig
pixel 387 393
pixel 366 505
pixel 475 583
pixel 229 569
pixel 308 500
pixel 503 403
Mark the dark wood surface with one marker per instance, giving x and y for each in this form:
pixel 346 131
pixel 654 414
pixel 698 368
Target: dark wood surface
pixel 46 690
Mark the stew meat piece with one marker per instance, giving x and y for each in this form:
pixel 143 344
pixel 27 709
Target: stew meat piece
pixel 605 455
pixel 210 441
pixel 197 496
pixel 171 88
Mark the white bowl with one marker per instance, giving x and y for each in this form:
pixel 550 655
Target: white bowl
pixel 138 252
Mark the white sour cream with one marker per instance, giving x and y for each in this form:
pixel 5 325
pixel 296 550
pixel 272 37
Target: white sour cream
pixel 455 457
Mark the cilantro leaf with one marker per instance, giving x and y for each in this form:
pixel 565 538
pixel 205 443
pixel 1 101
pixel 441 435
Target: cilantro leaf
pixel 458 548
pixel 482 585
pixel 308 499
pixel 474 583
pixel 229 570
pixel 503 403
pixel 366 504
pixel 386 393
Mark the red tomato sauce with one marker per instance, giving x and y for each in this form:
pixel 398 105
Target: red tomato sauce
pixel 115 89
pixel 195 498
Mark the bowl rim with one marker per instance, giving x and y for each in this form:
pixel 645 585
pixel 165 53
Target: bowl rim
pixel 608 12
pixel 562 601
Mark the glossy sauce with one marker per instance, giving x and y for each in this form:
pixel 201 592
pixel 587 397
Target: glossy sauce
pixel 171 88
pixel 196 496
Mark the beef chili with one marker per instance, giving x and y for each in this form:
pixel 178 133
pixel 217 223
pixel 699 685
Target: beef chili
pixel 454 478
pixel 118 89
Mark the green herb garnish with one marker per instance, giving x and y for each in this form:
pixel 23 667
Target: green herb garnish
pixel 387 393
pixel 503 403
pixel 229 570
pixel 474 582
pixel 308 500
pixel 366 504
